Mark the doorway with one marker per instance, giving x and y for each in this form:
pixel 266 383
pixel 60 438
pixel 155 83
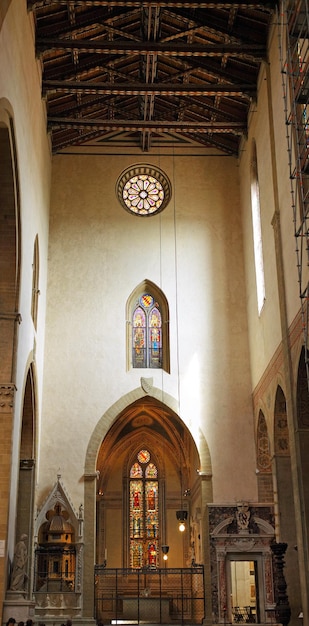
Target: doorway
pixel 244 591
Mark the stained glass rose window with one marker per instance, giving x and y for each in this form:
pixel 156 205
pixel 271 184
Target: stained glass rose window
pixel 143 190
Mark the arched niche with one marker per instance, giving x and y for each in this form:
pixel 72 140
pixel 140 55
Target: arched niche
pixel 146 425
pixel 10 246
pixel 98 469
pixel 26 476
pixel 286 527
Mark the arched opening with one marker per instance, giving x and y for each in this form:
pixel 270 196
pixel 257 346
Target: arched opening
pixel 303 443
pixel 98 468
pixel 147 468
pixel 26 479
pixel 283 473
pixel 10 242
pixel 10 246
pixel 149 426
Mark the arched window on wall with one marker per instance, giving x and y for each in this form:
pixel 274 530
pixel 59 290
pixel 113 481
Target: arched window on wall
pixel 257 231
pixel 35 282
pixel 148 329
pixel 144 512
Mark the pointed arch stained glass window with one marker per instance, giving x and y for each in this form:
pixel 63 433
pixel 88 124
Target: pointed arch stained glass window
pixel 144 512
pixel 147 328
pixel 147 333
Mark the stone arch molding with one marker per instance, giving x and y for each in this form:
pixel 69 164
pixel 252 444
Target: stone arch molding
pixel 240 532
pixel 112 413
pixel 265 529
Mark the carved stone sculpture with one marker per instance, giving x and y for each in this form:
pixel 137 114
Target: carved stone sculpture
pixel 18 575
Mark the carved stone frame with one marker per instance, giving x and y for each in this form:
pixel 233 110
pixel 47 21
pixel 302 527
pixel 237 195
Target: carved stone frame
pixel 231 541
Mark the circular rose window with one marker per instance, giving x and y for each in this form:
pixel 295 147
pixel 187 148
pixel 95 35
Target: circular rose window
pixel 143 190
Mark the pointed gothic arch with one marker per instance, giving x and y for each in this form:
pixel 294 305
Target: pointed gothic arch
pixel 302 433
pixel 147 425
pixel 98 467
pixel 26 476
pixel 10 246
pixel 286 527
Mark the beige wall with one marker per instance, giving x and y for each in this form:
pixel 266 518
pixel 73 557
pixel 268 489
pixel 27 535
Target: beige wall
pixel 265 332
pixel 98 254
pixel 21 105
pixel 198 251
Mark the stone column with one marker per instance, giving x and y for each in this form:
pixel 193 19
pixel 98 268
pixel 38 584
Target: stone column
pixel 282 609
pixel 89 545
pixel 7 394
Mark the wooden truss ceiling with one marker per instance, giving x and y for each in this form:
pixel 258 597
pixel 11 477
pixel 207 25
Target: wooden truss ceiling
pixel 149 70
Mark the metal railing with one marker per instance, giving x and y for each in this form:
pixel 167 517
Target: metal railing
pixel 157 596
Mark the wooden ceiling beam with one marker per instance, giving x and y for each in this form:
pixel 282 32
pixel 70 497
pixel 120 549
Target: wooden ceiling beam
pixel 256 52
pixel 235 128
pixel 239 4
pixel 145 89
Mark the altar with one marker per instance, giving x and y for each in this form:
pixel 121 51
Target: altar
pixel 146 609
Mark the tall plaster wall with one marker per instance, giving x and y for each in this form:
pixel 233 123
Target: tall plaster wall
pixel 265 332
pixel 20 101
pixel 98 254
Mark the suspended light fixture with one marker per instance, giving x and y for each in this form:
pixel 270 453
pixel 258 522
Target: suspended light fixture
pixel 182 517
pixel 165 550
pixel 182 514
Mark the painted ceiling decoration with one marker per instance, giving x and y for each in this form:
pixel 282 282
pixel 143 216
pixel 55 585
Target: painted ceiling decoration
pixel 149 74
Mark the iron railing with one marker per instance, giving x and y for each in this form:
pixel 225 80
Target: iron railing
pixel 157 596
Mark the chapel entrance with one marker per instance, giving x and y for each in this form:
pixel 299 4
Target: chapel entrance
pixel 244 591
pixel 148 471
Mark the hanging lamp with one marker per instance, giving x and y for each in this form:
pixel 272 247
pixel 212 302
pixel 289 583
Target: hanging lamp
pixel 182 517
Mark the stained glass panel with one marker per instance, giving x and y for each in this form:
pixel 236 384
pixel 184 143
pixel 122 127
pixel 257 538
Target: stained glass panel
pixel 139 338
pixel 143 456
pixel 147 333
pixel 151 495
pixel 144 513
pixel 143 194
pixel 152 554
pixel 146 300
pixel 136 471
pixel 151 471
pixel 143 190
pixel 136 489
pixel 137 557
pixel 155 338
